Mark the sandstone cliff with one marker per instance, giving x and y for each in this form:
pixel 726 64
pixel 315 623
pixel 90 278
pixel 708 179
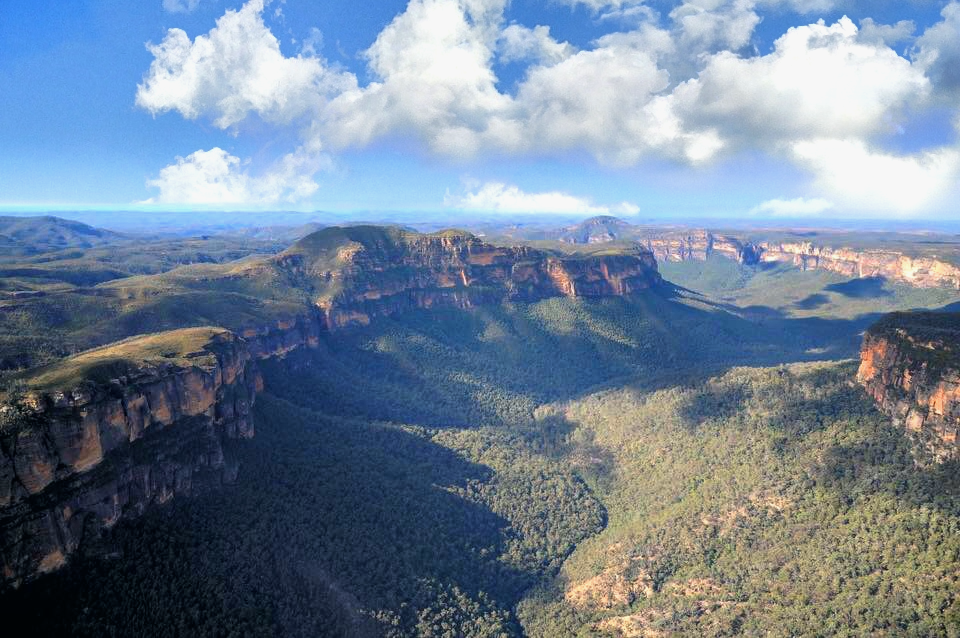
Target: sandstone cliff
pixel 698 245
pixel 923 272
pixel 103 435
pixel 688 244
pixel 354 274
pixel 910 364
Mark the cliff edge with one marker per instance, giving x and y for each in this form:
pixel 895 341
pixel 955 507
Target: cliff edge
pixel 102 435
pixel 356 273
pixel 910 364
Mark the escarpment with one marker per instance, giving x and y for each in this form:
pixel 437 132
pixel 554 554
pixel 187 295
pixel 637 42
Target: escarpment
pixel 682 245
pixel 698 245
pixel 357 273
pixel 910 364
pixel 101 436
pixel 923 272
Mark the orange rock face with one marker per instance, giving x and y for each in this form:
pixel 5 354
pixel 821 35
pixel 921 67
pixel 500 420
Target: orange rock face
pixel 923 272
pixel 74 465
pixel 910 364
pixel 427 271
pixel 697 245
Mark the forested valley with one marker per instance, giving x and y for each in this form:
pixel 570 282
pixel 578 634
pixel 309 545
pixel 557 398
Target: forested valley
pixel 649 466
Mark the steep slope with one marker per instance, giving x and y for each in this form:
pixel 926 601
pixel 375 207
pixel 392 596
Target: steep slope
pixel 100 436
pixel 67 471
pixel 910 364
pixel 356 273
pixel 839 253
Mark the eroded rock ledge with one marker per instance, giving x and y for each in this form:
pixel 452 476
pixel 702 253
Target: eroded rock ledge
pixel 357 273
pixel 143 420
pixel 910 364
pixel 922 272
pixel 103 435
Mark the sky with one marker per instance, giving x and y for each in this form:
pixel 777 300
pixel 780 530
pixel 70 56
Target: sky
pixel 760 109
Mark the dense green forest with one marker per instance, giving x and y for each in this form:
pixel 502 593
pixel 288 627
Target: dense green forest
pixel 563 468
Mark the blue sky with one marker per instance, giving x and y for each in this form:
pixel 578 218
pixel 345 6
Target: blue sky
pixel 755 108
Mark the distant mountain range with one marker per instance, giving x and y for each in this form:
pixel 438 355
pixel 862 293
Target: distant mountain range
pixel 31 235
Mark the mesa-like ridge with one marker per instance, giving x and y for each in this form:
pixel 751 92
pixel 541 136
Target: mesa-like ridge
pixel 101 436
pixel 910 364
pixel 923 271
pixel 357 273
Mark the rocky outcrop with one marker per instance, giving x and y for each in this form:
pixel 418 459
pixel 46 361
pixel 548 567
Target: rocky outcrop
pixel 285 334
pixel 910 364
pixel 101 436
pixel 698 245
pixel 596 230
pixel 675 244
pixel 923 272
pixel 74 462
pixel 359 273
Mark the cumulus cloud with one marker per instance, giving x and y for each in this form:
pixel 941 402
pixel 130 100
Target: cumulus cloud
pixel 519 43
pixel 938 52
pixel 688 87
pixel 496 197
pixel 596 6
pixel 886 34
pixel 869 180
pixel 235 70
pixel 709 25
pixel 180 6
pixel 216 177
pixel 821 81
pixel 799 207
pixel 435 82
pixel 800 6
pixel 596 100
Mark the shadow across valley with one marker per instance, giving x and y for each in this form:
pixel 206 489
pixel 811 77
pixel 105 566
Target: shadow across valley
pixel 494 365
pixel 863 288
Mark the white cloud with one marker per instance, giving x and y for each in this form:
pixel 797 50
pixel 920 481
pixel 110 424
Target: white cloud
pixel 435 82
pixel 709 25
pixel 216 177
pixel 596 6
pixel 180 6
pixel 801 6
pixel 687 89
pixel 496 197
pixel 938 52
pixel 886 34
pixel 868 180
pixel 518 44
pixel 820 81
pixel 595 100
pixel 799 207
pixel 233 71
